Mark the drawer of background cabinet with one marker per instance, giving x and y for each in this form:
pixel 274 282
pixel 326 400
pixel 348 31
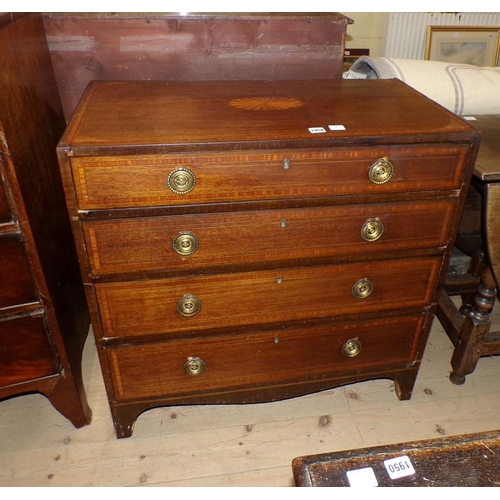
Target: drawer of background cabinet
pixel 180 179
pixel 26 352
pixel 223 239
pixel 262 359
pixel 5 212
pixel 16 285
pixel 202 302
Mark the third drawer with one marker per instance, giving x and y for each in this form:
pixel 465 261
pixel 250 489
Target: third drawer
pixel 203 302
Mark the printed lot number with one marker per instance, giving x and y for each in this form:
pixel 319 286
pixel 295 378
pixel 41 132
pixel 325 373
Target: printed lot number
pixel 399 467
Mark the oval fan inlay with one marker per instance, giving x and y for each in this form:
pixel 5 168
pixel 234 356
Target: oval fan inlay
pixel 266 103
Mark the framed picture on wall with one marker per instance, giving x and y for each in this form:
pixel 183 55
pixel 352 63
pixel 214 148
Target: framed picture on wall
pixel 463 45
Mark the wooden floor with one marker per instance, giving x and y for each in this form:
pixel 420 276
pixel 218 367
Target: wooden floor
pixel 240 445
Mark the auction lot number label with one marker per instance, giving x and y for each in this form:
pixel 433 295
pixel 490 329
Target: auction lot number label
pixel 399 467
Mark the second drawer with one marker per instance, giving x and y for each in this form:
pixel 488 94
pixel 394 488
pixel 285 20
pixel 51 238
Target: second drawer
pixel 187 242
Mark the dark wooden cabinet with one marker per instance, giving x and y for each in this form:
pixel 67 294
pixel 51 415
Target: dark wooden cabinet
pixel 44 319
pixel 252 241
pixel 470 460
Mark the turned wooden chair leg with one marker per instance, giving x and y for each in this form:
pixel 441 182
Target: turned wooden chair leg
pixel 475 328
pixel 476 268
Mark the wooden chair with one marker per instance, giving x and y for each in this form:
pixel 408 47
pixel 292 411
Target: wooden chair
pixel 469 326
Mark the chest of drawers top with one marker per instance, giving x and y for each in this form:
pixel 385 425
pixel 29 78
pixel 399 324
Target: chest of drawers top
pixel 164 117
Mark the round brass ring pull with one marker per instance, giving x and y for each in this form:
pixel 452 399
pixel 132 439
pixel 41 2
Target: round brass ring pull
pixel 181 181
pixel 351 348
pixel 362 288
pixel 381 171
pixel 194 367
pixel 185 243
pixel 372 230
pixel 189 305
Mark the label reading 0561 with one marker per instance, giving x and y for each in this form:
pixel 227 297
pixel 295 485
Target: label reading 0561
pixel 399 467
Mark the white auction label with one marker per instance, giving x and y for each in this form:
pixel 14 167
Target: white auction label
pixel 317 130
pixel 362 477
pixel 336 127
pixel 399 467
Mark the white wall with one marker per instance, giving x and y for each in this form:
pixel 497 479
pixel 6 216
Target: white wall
pixel 403 34
pixel 368 31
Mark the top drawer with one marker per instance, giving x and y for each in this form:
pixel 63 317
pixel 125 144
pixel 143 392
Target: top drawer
pixel 184 179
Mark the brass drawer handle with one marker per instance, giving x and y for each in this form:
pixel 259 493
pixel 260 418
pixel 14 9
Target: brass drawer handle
pixel 189 305
pixel 362 288
pixel 185 243
pixel 372 230
pixel 194 367
pixel 181 181
pixel 381 171
pixel 351 348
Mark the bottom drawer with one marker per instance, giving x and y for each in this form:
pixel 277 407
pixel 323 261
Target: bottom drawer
pixel 231 362
pixel 25 350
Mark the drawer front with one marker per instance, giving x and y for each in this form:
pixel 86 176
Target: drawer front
pixel 16 285
pixel 26 353
pixel 182 179
pixel 222 239
pixel 262 359
pixel 226 300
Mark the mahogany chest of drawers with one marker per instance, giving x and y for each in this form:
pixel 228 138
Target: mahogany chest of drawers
pixel 252 241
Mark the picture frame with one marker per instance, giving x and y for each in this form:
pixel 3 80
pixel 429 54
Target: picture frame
pixel 474 45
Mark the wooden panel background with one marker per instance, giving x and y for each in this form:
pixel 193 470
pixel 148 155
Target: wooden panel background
pixel 288 46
